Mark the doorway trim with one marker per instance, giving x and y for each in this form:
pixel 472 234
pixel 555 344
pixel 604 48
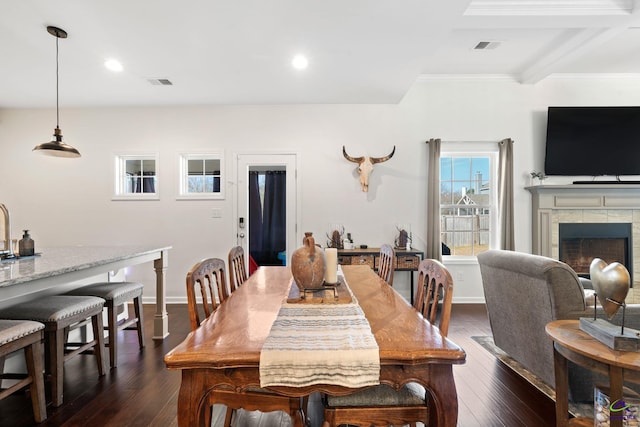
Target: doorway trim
pixel 242 162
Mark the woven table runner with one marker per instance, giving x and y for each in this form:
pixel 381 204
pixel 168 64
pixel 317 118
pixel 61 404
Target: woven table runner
pixel 320 344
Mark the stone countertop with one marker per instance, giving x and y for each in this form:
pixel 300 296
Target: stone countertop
pixel 61 260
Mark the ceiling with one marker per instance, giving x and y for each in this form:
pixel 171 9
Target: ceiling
pixel 239 51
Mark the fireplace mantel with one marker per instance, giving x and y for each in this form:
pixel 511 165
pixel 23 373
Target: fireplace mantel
pixel 555 204
pixel 586 203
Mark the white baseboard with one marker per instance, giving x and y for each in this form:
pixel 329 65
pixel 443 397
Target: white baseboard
pixel 169 300
pixel 468 300
pixel 183 300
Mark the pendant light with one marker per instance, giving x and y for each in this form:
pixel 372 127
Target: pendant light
pixel 56 147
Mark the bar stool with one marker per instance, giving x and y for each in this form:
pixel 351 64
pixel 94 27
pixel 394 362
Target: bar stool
pixel 60 313
pixel 25 335
pixel 115 294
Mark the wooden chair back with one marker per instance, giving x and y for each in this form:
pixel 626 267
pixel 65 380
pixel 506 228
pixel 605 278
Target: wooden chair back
pixel 433 301
pixel 434 294
pixel 206 279
pixel 237 268
pixel 386 266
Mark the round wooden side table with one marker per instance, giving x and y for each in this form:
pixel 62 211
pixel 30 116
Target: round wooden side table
pixel 572 344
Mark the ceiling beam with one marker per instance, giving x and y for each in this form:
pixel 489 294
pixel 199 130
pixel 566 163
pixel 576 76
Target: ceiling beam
pixel 577 43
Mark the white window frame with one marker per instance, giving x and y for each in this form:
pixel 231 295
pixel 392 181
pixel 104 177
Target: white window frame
pixel 120 192
pixel 466 149
pixel 183 181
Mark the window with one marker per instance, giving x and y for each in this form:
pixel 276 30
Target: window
pixel 201 176
pixel 136 176
pixel 467 201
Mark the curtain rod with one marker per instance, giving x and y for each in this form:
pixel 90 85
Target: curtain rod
pixel 468 142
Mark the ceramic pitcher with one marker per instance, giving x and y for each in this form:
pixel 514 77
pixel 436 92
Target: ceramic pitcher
pixel 308 264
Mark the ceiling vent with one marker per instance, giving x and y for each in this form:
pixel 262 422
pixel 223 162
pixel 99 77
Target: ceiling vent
pixel 486 45
pixel 161 82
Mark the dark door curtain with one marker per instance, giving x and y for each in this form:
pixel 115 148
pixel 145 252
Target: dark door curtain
pixel 255 217
pixel 274 216
pixel 268 230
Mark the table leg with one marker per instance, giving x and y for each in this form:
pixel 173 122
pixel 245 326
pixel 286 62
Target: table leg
pixel 191 400
pixel 561 369
pixel 299 418
pixel 442 396
pixel 615 388
pixel 161 319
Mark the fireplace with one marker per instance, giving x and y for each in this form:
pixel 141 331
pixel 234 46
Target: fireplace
pixel 552 205
pixel 580 243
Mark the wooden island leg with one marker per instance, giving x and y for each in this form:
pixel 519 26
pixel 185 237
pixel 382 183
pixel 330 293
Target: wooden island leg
pixel 161 319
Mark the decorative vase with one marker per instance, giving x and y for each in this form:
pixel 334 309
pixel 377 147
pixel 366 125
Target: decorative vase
pixel 308 264
pixel 25 245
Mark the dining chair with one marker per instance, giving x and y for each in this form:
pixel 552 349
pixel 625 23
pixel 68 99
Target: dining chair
pixel 386 265
pixel 206 278
pixel 382 404
pixel 116 294
pixel 237 268
pixel 24 335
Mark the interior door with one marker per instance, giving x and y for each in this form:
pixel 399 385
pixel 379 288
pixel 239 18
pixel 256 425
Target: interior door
pixel 251 162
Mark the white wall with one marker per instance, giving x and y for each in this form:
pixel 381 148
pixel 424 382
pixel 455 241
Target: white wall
pixel 68 201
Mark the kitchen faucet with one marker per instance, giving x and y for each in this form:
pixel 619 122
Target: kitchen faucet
pixel 7 232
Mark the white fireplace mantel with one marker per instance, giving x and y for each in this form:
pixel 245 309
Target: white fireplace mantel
pixel 555 204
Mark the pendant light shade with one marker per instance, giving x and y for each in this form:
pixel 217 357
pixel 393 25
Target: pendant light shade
pixel 56 147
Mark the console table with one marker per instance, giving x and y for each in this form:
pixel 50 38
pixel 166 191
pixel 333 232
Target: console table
pixel 406 260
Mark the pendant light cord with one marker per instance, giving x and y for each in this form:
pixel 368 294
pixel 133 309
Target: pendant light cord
pixel 57 90
pixel 56 147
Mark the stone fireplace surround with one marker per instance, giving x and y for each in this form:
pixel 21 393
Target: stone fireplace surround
pixel 585 203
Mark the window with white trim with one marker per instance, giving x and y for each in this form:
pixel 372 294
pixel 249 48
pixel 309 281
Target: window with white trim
pixel 201 176
pixel 468 214
pixel 136 176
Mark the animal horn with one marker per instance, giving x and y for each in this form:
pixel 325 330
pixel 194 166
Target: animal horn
pixel 383 159
pixel 352 159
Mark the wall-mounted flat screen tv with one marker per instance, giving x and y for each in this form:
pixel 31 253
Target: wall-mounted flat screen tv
pixel 593 141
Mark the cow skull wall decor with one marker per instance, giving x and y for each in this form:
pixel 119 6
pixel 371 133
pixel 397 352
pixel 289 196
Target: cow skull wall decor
pixel 365 165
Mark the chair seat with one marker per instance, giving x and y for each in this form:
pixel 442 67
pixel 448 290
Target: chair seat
pixel 24 335
pixel 118 292
pixel 381 395
pixel 53 308
pixel 59 313
pixel 11 330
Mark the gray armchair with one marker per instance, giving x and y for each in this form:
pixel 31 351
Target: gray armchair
pixel 523 293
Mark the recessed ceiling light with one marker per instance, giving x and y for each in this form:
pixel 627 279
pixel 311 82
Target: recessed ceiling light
pixel 113 65
pixel 300 62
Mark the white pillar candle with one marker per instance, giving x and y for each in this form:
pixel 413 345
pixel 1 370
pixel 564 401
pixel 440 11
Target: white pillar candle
pixel 331 273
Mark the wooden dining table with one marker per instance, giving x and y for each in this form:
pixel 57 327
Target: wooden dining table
pixel 225 350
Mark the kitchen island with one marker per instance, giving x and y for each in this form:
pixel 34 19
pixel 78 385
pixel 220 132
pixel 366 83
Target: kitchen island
pixel 59 269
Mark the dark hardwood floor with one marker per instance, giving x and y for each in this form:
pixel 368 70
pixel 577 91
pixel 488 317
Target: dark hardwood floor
pixel 141 392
